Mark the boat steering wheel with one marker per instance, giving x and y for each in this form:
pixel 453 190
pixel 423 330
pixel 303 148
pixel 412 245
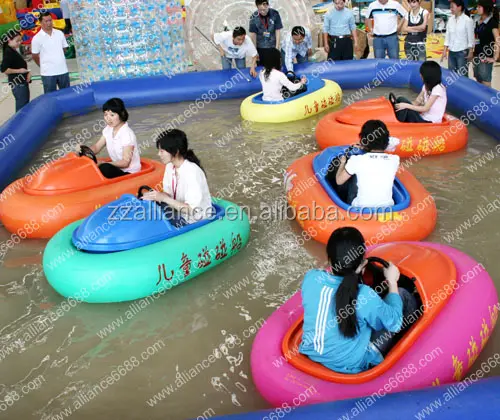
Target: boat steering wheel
pixel 294 76
pixel 87 151
pixel 392 100
pixel 374 260
pixel 140 192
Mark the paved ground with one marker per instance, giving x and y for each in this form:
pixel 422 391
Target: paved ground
pixel 7 104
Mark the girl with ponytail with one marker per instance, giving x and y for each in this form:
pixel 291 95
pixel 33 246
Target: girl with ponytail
pixel 273 80
pixel 185 187
pixel 341 315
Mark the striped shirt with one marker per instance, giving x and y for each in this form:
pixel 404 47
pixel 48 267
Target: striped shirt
pixel 322 340
pixel 292 49
pixel 385 16
pixel 339 22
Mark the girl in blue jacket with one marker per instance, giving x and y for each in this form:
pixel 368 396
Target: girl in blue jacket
pixel 347 327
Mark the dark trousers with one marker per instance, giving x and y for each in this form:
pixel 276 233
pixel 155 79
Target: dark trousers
pixel 408 115
pixel 51 83
pixel 68 28
pixel 385 340
pixel 21 93
pixel 111 171
pixel 340 48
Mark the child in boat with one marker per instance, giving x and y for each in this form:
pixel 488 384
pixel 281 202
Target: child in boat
pixel 273 80
pixel 120 141
pixel 184 183
pixel 430 104
pixel 348 328
pixel 375 170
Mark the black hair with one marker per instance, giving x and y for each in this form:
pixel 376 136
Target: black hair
pixel 117 106
pixel 271 60
pixel 431 74
pixel 374 135
pixel 489 8
pixel 238 31
pixel 298 30
pixel 43 14
pixel 8 36
pixel 346 251
pixel 460 3
pixel 175 142
pixel 259 2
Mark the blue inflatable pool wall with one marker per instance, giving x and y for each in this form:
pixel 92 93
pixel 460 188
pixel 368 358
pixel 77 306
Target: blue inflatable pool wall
pixel 25 133
pixel 479 400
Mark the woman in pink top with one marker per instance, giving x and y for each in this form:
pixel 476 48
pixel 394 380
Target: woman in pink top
pixel 120 141
pixel 430 104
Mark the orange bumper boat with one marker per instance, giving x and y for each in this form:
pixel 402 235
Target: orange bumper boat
pixel 343 127
pixel 320 210
pixel 68 190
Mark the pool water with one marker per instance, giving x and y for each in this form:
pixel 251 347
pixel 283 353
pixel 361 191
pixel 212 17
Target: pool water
pixel 195 341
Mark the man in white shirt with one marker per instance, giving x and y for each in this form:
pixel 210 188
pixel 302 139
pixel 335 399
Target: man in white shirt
pixel 387 21
pixel 297 45
pixel 48 47
pixel 236 45
pixel 459 40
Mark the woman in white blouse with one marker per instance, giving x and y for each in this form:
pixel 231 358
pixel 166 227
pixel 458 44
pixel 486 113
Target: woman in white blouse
pixel 459 39
pixel 185 187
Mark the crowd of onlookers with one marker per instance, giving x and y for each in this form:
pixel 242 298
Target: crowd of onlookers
pixel 386 20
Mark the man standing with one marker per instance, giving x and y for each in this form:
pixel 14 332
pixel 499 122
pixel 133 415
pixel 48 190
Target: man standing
pixel 236 45
pixel 48 47
pixel 339 33
pixel 387 20
pixel 296 45
pixel 265 27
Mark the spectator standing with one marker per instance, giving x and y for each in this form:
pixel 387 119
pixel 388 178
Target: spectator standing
pixel 415 24
pixel 236 45
pixel 265 27
pixel 48 47
pixel 487 42
pixel 339 33
pixel 297 45
pixel 459 40
pixel 387 20
pixel 16 68
pixel 66 16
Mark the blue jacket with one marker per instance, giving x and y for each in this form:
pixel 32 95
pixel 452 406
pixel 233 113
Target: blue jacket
pixel 322 340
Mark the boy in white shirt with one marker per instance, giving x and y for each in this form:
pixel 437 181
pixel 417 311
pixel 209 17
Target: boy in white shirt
pixel 375 170
pixel 237 46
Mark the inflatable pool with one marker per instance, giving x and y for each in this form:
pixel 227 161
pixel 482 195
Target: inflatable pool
pixel 320 96
pixel 458 314
pixel 19 142
pixel 127 250
pixel 320 210
pixel 66 190
pixel 343 127
pixel 471 399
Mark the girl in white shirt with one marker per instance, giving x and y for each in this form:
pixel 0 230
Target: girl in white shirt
pixel 185 187
pixel 120 141
pixel 273 79
pixel 430 104
pixel 459 39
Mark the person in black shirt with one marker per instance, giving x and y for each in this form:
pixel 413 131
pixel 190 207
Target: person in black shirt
pixel 265 28
pixel 14 66
pixel 487 42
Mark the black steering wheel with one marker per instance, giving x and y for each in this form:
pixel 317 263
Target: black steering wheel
pixel 392 100
pixel 382 262
pixel 87 151
pixel 140 192
pixel 294 76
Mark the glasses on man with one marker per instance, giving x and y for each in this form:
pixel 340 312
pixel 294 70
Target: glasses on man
pixel 413 1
